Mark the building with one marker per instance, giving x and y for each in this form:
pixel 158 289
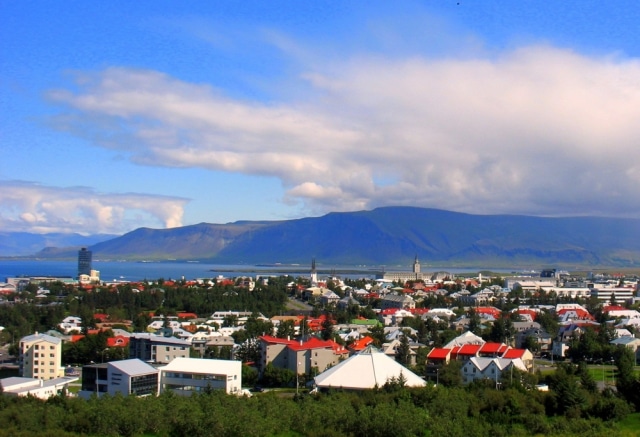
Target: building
pixel 127 377
pixel 401 301
pixel 414 275
pixel 186 376
pixel 369 369
pixel 40 357
pixel 313 355
pixel 489 368
pixel 39 388
pixel 157 349
pixel 84 262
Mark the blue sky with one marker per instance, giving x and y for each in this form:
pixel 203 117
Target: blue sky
pixel 117 115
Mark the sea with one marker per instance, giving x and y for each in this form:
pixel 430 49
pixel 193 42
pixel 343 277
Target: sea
pixel 129 271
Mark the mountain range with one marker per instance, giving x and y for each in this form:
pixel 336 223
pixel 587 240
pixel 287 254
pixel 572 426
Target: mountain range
pixel 383 236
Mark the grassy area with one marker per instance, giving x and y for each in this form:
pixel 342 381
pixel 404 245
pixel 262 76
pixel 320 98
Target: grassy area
pixel 630 426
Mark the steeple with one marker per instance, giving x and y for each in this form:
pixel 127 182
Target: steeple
pixel 314 273
pixel 416 265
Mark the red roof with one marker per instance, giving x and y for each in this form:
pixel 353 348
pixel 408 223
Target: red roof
pixel 495 312
pixel 613 308
pixel 117 341
pixel 512 354
pixel 76 337
pixel 418 311
pixel 439 354
pixel 469 350
pixel 360 344
pixel 100 316
pixel 532 313
pixel 493 348
pixel 187 316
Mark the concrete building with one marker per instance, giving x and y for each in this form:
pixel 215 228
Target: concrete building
pixel 127 377
pixel 185 376
pixel 17 386
pixel 414 275
pixel 157 349
pixel 40 357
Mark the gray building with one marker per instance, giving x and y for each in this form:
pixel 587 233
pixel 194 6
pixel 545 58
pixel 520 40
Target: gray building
pixel 157 349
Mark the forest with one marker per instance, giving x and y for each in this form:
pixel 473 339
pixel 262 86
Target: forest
pixel 392 410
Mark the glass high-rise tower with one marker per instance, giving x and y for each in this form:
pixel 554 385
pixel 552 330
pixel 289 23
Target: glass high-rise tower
pixel 84 262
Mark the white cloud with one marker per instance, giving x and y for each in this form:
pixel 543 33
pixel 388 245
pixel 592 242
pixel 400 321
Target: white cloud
pixel 30 207
pixel 538 130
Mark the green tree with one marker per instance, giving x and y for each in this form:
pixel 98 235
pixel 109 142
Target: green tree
pixel 403 352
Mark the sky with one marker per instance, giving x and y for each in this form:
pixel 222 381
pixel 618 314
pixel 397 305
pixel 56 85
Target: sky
pixel 118 115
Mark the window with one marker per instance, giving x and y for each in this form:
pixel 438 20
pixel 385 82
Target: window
pixel 51 363
pixel 35 354
pixel 50 370
pixel 35 370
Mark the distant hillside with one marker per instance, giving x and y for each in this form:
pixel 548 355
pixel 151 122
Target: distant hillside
pixel 389 236
pixel 24 243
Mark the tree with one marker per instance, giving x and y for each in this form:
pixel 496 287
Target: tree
pixel 286 329
pixel 327 327
pixel 403 352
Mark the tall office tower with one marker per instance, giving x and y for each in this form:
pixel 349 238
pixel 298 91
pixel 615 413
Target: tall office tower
pixel 84 262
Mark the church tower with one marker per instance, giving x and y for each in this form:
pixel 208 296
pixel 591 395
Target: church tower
pixel 416 266
pixel 314 273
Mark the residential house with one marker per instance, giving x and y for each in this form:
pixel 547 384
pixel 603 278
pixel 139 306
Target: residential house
pixel 401 301
pixel 489 368
pixel 301 357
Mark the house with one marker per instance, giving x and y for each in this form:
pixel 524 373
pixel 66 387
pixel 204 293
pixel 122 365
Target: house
pixel 631 343
pixel 329 298
pixel 158 349
pixel 127 377
pixel 401 301
pixel 39 388
pixel 489 368
pixel 40 357
pixel 298 356
pixel 70 324
pixel 369 369
pixel 185 376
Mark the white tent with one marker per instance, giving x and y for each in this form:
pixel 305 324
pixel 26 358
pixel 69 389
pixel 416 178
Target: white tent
pixel 369 369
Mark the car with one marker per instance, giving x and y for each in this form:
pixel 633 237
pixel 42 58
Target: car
pixel 257 389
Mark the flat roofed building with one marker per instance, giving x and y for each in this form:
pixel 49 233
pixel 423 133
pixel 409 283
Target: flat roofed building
pixel 40 357
pixel 17 386
pixel 186 376
pixel 127 377
pixel 158 349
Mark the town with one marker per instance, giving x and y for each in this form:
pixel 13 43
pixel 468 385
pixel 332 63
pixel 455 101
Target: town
pixel 245 335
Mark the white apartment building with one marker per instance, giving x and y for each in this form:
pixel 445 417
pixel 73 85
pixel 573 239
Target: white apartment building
pixel 40 357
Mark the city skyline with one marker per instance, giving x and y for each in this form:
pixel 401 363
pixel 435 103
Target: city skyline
pixel 122 115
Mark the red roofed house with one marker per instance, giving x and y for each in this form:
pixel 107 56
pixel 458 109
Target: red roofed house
pixel 437 358
pixel 118 341
pixel 524 354
pixel 310 357
pixel 360 344
pixel 492 350
pixel 465 352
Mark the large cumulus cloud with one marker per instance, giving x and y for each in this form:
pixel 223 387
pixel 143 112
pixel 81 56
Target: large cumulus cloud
pixel 538 130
